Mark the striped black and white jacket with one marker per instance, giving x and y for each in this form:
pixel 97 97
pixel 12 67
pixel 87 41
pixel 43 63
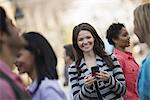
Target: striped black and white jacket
pixel 113 89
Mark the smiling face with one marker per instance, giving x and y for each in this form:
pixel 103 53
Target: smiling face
pixel 123 39
pixel 85 41
pixel 25 61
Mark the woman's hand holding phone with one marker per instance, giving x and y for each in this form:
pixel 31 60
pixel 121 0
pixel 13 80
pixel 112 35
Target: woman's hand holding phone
pixel 103 75
pixel 99 74
pixel 89 80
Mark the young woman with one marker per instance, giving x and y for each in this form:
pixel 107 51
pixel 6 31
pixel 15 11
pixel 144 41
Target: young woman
pixel 142 30
pixel 11 86
pixel 108 82
pixel 118 36
pixel 39 61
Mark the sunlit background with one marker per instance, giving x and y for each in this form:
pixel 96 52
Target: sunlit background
pixel 55 19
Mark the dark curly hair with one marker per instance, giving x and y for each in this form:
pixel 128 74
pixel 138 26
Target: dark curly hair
pixel 113 32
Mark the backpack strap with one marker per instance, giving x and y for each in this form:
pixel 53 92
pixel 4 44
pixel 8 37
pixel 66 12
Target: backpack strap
pixel 19 94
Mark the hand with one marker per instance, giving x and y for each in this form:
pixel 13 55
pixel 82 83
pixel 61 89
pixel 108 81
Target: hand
pixel 103 75
pixel 89 80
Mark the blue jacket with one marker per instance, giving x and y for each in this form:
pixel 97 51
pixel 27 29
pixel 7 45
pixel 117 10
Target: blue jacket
pixel 143 82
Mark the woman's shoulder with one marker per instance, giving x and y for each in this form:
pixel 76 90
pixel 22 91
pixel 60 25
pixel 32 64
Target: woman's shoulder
pixel 146 62
pixel 48 83
pixel 72 70
pixel 50 87
pixel 113 56
pixel 148 58
pixel 72 67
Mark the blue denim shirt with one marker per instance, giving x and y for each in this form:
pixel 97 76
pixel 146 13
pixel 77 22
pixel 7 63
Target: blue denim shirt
pixel 143 82
pixel 48 90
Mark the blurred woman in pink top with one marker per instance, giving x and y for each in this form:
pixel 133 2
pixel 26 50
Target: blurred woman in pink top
pixel 11 86
pixel 118 36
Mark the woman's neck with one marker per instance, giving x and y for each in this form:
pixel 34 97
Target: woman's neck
pixel 90 59
pixel 33 74
pixel 120 48
pixel 7 56
pixel 7 61
pixel 89 54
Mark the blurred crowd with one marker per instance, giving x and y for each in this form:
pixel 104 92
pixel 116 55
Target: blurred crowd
pixel 116 68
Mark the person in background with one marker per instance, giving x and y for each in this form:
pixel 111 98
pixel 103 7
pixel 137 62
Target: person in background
pixel 69 59
pixel 108 82
pixel 142 30
pixel 11 85
pixel 39 61
pixel 118 36
pixel 108 47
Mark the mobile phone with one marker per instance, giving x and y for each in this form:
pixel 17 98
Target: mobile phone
pixel 94 69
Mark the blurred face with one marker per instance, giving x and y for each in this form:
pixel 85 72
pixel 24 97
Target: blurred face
pixel 66 58
pixel 85 41
pixel 123 39
pixel 138 32
pixel 25 61
pixel 13 41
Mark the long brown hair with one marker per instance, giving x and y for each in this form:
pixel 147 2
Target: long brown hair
pixel 98 48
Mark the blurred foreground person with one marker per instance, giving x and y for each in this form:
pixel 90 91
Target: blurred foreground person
pixel 142 30
pixel 95 75
pixel 118 36
pixel 11 86
pixel 39 61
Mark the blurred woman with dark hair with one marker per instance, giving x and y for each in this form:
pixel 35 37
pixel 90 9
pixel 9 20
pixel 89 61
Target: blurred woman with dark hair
pixel 39 61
